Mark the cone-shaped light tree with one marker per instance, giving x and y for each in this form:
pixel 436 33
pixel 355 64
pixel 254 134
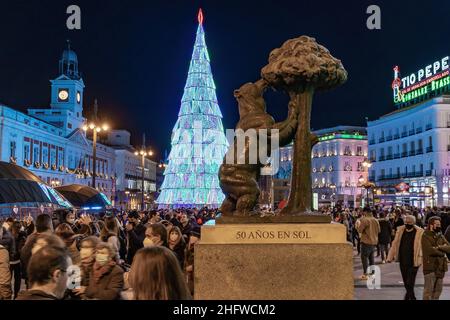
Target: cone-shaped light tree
pixel 301 67
pixel 198 140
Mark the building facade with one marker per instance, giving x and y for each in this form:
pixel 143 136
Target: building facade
pixel 129 173
pixel 412 145
pixel 50 142
pixel 409 148
pixel 338 174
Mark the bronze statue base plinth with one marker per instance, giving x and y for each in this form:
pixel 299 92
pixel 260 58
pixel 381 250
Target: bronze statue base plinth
pixel 301 218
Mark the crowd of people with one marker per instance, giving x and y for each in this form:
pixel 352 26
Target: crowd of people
pixel 411 236
pixel 146 255
pixel 149 255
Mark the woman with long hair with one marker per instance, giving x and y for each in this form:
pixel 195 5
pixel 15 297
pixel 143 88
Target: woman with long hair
pixel 177 244
pixel 110 234
pixel 156 275
pixel 65 232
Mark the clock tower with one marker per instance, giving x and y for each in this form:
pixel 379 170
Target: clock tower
pixel 67 89
pixel 66 104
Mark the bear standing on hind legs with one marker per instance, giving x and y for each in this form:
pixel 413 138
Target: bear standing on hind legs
pixel 239 182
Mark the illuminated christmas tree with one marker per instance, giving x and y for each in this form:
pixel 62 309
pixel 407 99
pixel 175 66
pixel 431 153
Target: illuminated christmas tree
pixel 198 139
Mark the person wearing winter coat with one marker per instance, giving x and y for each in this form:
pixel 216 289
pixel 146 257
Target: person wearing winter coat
pixel 384 237
pixel 5 273
pixel 106 280
pixel 407 249
pixel 369 228
pixel 434 247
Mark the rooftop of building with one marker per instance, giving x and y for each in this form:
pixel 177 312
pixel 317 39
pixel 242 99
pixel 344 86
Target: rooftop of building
pixel 341 130
pixel 401 112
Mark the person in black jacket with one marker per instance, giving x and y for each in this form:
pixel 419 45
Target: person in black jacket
pixel 135 235
pixel 177 244
pixel 384 237
pixel 48 274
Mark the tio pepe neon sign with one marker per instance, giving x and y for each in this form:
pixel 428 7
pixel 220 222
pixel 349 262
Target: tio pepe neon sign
pixel 426 80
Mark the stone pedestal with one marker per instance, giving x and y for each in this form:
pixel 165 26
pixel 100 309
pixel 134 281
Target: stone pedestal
pixel 272 261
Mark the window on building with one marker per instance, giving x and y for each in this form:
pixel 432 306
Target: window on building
pixel 389 152
pixel 53 156
pixel 69 125
pixel 398 171
pixel 430 142
pixel 421 168
pixel 419 144
pixel 36 155
pixel 414 168
pixel 26 151
pixel 45 154
pixel 383 172
pixel 413 146
pixel 404 148
pixel 12 149
pixel 359 151
pixel 347 151
pixel 382 152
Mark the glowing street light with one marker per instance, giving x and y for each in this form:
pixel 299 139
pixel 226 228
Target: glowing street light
pixel 96 129
pixel 143 153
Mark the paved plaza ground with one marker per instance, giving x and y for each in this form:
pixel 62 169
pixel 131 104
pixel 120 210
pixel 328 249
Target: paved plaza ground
pixel 391 283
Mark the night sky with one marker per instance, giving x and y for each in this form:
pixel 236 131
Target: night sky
pixel 134 55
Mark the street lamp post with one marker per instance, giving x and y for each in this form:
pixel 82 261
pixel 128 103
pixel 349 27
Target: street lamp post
pixel 143 153
pixel 96 129
pixel 367 164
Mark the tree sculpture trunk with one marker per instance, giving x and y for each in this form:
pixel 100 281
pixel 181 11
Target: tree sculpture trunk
pixel 300 196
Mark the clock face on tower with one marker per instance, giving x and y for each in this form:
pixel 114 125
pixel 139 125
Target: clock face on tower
pixel 78 97
pixel 63 95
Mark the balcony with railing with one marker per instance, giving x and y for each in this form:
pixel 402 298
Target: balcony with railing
pixel 411 132
pixel 428 127
pixel 404 134
pixel 381 158
pixel 388 138
pixel 381 140
pixel 389 157
pixel 396 155
pixel 429 149
pixel 419 151
pixel 404 154
pixel 412 153
pixel 428 173
pixel 419 130
pixel 371 142
pixel 396 136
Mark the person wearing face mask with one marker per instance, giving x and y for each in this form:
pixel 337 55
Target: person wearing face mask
pixel 47 274
pixel 86 264
pixel 177 244
pixel 434 247
pixel 407 249
pixel 156 235
pixel 106 279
